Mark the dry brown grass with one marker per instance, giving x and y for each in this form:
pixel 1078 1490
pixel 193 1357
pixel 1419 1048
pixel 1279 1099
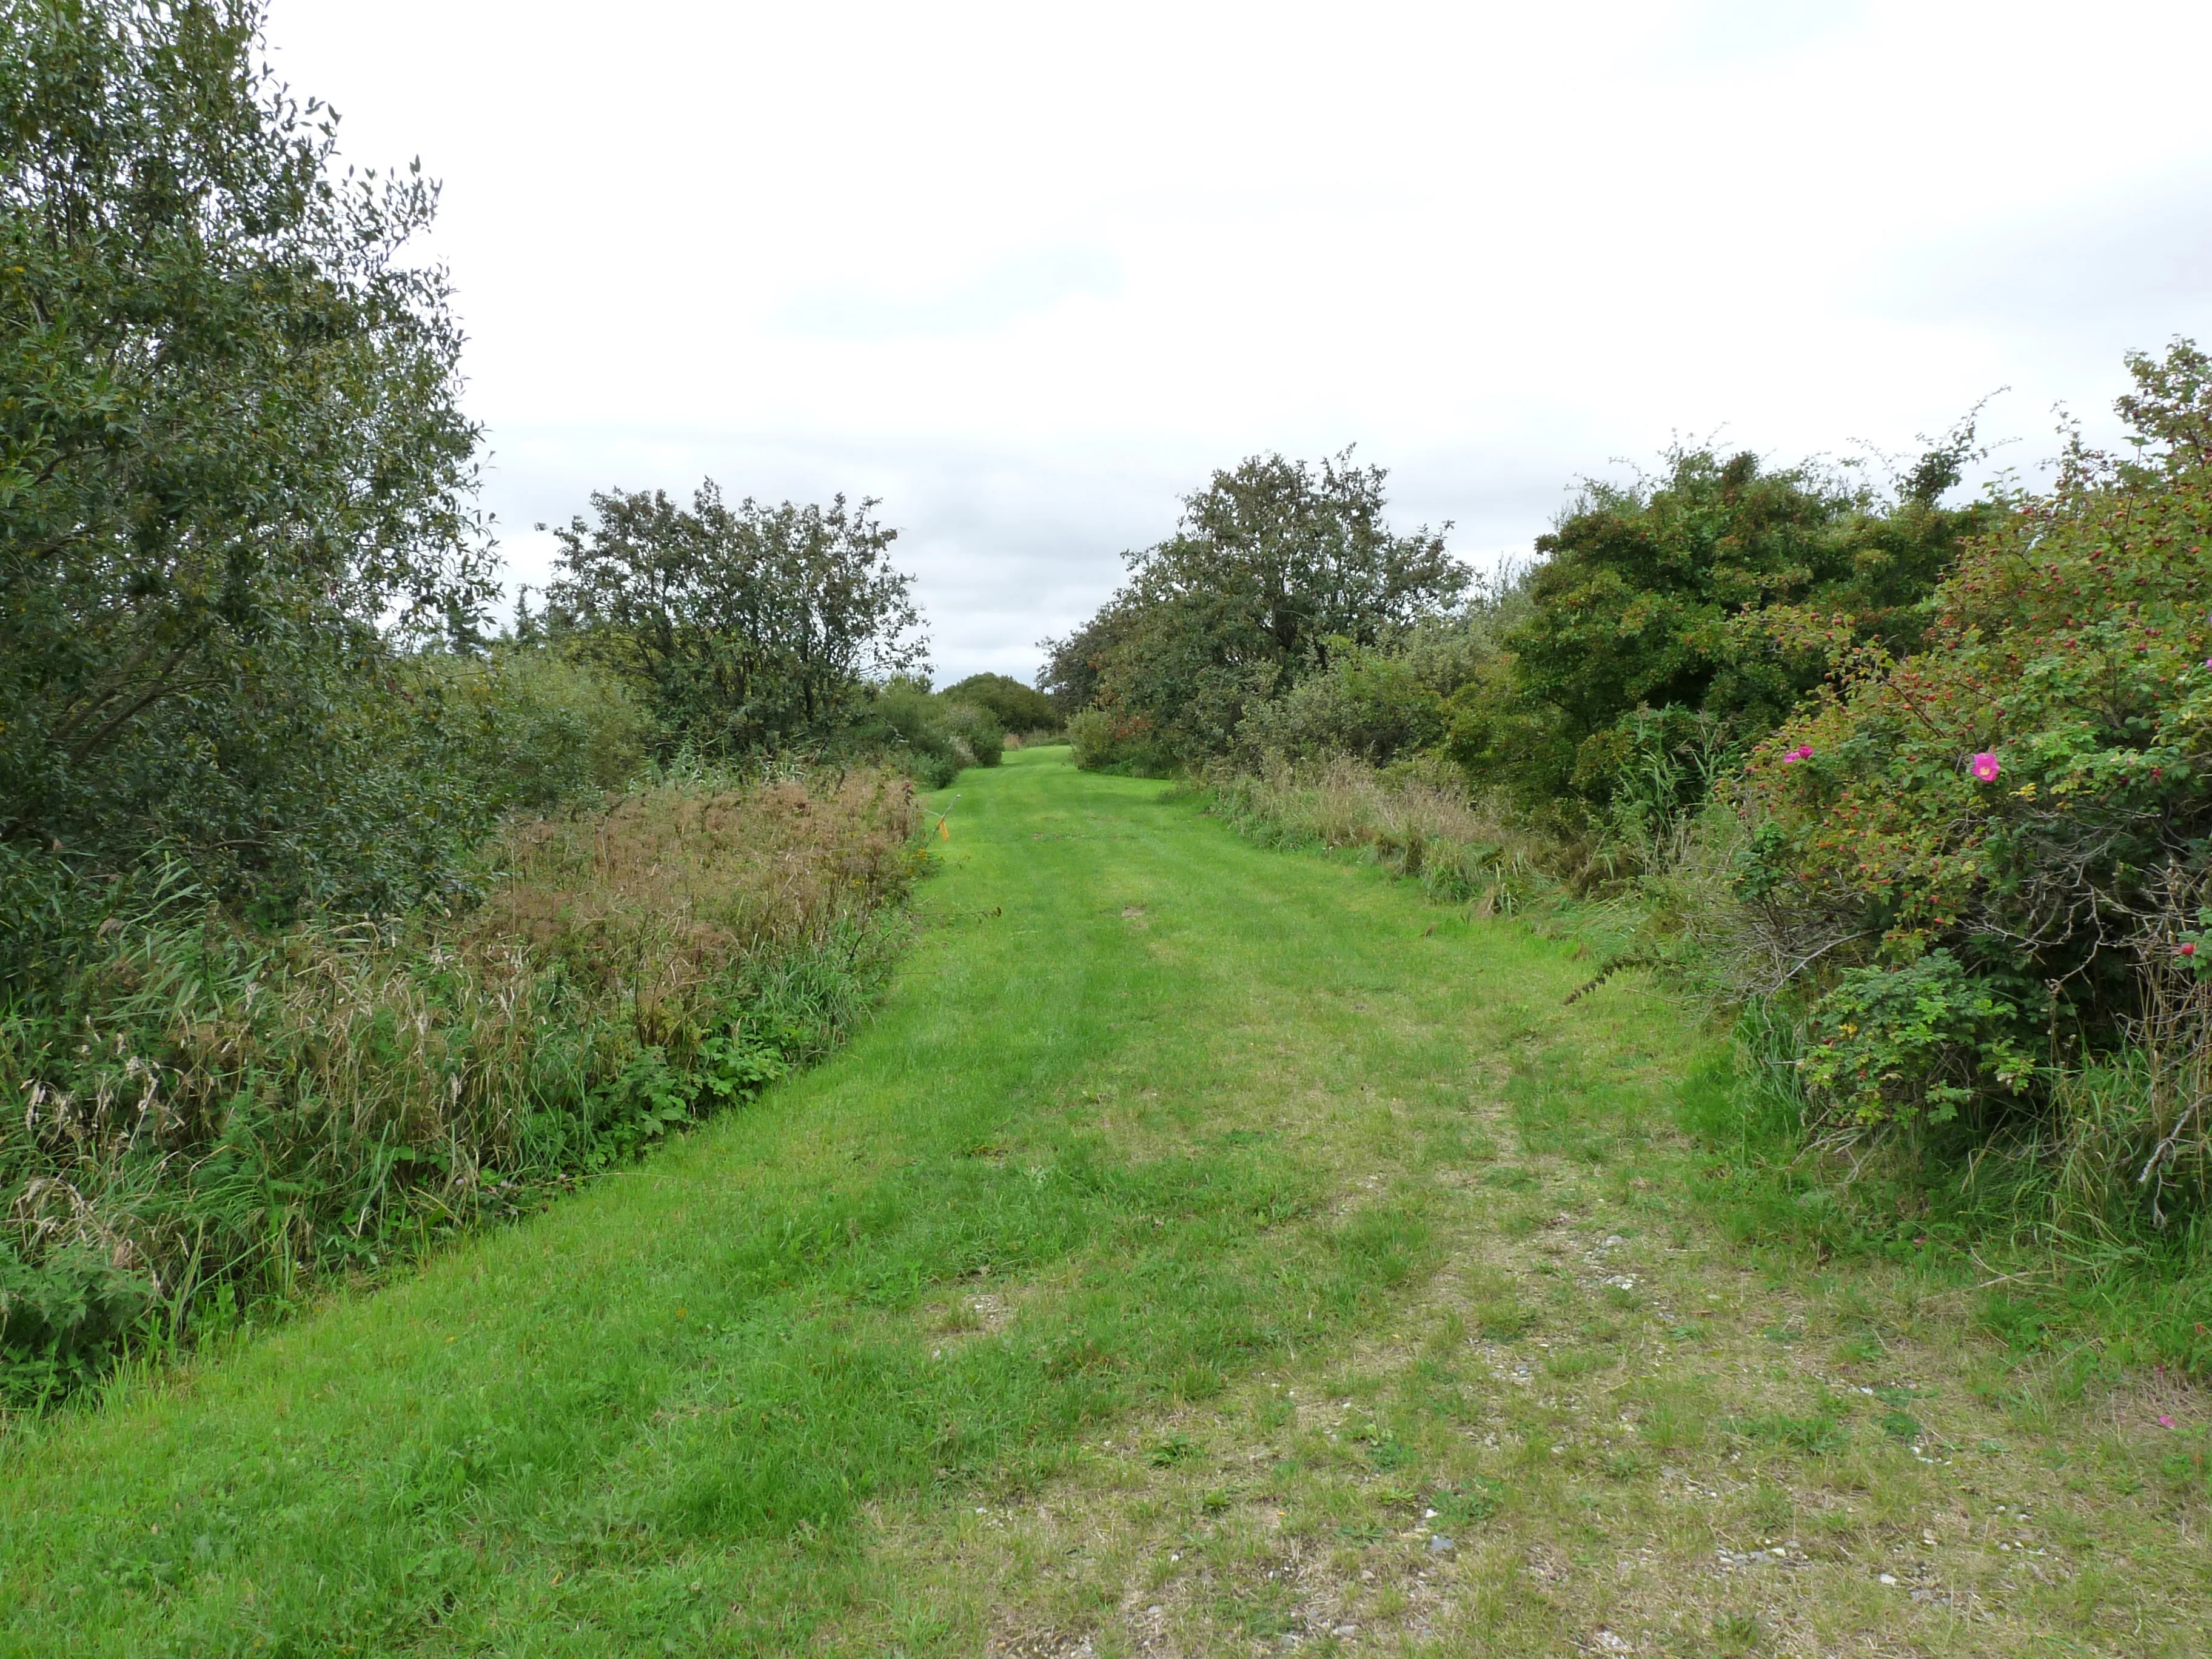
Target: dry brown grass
pixel 669 886
pixel 1420 823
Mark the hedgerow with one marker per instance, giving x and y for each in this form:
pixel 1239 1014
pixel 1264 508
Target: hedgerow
pixel 210 1119
pixel 1983 860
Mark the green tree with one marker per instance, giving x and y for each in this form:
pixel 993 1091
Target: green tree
pixel 1275 569
pixel 1016 707
pixel 232 457
pixel 749 626
pixel 1074 665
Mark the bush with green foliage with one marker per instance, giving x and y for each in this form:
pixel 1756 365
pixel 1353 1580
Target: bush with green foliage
pixel 1913 1044
pixel 232 451
pixel 1655 596
pixel 1367 704
pixel 1105 743
pixel 973 728
pixel 1017 707
pixel 933 737
pixel 2024 800
pixel 533 728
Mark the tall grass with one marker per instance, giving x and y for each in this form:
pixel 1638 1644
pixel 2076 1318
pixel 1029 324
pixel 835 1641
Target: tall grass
pixel 2056 1226
pixel 2104 1150
pixel 1412 823
pixel 2078 1221
pixel 208 1118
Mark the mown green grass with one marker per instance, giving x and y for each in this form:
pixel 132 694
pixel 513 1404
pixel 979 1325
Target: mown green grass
pixel 1192 1219
pixel 663 1412
pixel 1641 1425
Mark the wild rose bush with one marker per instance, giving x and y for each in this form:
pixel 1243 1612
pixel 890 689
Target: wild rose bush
pixel 1961 849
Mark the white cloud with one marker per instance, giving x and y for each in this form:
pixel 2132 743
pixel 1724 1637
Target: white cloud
pixel 1029 272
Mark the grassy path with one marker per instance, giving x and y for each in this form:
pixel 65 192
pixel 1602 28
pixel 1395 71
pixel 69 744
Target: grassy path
pixel 1192 1222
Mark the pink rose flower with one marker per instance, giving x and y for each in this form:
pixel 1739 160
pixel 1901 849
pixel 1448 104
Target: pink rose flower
pixel 1984 767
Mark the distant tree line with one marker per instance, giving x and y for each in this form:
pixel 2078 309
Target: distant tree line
pixel 1286 616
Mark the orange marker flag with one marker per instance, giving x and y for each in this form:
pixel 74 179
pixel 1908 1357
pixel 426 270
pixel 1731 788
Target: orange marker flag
pixel 945 830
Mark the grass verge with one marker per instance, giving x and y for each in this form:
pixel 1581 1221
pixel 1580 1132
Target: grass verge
pixel 216 1120
pixel 2046 1236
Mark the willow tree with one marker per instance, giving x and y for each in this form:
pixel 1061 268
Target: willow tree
pixel 235 474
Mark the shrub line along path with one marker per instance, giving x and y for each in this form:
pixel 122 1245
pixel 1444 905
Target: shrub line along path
pixel 1205 1250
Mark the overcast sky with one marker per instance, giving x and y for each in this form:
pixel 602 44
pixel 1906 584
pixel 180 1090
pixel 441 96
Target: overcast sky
pixel 1029 273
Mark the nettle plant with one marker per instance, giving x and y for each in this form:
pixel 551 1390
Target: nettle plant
pixel 1964 849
